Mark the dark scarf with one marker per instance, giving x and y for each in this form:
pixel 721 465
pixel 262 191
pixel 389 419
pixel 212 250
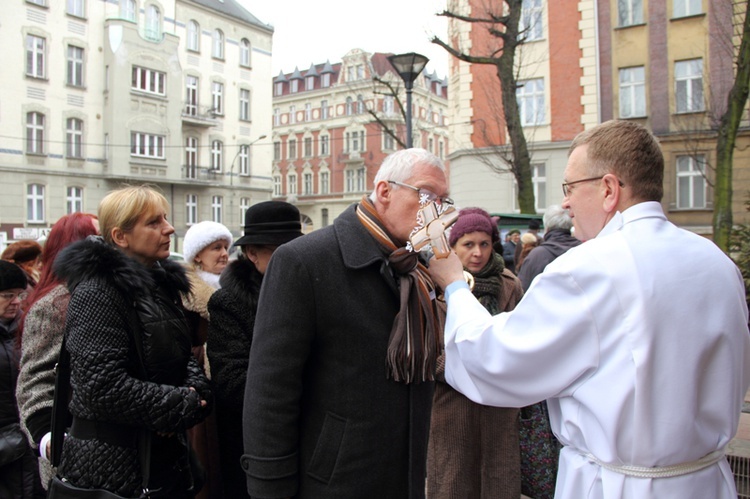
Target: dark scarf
pixel 488 284
pixel 413 346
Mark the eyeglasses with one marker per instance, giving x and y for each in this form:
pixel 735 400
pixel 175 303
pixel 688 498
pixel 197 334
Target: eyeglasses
pixel 425 196
pixel 566 185
pixel 12 296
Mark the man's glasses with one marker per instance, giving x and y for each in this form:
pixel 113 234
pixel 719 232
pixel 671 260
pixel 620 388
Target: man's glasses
pixel 566 185
pixel 12 296
pixel 425 196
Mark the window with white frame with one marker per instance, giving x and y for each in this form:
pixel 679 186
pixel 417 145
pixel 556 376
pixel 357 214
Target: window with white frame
pixel 276 116
pixel 691 182
pixel 539 181
pixel 291 187
pixel 324 183
pixel 530 27
pixel 324 145
pixel 360 72
pixel 146 145
pixel 350 181
pixel 349 102
pixel 292 114
pixel 632 92
pixel 245 53
pixel 324 110
pixel 307 184
pixel 688 86
pixel 324 217
pixel 244 104
pixel 309 82
pixel 360 104
pixel 292 148
pixel 148 80
pixel 308 147
pixel 388 105
pixel 73 200
pixel 76 8
pixel 431 145
pixel 530 96
pixel 35 203
pixel 218 44
pixel 277 185
pixel 75 66
pixel 35 133
pixel 217 155
pixel 191 209
pixel 191 158
pixel 361 179
pixel 278 88
pixel 38 2
pixel 74 138
pixel 308 112
pixel 294 86
pixel 128 10
pixel 153 23
pixel 277 150
pixel 244 159
pixel 325 80
pixel 350 73
pixel 244 206
pixel 35 56
pixel 629 12
pixel 217 97
pixel 194 36
pixel 217 209
pixel 388 143
pixel 191 95
pixel 684 8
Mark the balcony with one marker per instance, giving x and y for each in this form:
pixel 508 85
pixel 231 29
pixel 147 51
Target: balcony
pixel 200 173
pixel 194 115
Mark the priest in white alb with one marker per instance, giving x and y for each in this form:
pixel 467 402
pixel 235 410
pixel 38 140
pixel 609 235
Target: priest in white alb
pixel 638 338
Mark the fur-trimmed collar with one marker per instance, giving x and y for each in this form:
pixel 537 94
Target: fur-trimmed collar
pixel 242 278
pixel 92 258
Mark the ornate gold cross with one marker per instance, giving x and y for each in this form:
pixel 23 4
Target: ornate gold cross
pixel 432 229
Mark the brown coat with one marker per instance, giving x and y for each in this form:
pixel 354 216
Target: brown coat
pixel 473 450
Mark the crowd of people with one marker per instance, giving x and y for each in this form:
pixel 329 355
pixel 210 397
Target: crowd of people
pixel 572 361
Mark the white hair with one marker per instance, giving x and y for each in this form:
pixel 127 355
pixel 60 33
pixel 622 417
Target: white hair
pixel 555 217
pixel 399 165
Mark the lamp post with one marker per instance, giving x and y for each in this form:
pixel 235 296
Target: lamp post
pixel 409 67
pixel 245 147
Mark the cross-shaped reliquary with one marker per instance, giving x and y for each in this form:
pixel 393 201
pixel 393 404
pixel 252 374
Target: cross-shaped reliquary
pixel 431 226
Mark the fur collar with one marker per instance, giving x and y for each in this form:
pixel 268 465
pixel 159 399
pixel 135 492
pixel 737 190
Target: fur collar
pixel 242 278
pixel 92 258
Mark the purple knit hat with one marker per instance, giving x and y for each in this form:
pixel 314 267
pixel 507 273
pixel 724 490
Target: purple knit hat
pixel 473 220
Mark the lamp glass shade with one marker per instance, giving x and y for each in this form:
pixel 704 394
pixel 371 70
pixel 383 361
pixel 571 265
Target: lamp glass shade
pixel 409 66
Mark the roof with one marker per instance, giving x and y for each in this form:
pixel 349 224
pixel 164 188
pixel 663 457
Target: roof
pixel 232 8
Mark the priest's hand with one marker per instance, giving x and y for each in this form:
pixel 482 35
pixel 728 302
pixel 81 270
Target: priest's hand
pixel 445 271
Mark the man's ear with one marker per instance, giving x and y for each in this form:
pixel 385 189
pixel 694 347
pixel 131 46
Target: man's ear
pixel 612 193
pixel 118 237
pixel 383 192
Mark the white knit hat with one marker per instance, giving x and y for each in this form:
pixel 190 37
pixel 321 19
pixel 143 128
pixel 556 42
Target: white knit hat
pixel 201 235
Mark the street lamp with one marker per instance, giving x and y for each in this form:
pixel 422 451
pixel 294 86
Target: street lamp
pixel 243 147
pixel 409 67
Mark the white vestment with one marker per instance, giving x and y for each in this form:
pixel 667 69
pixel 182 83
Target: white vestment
pixel 639 341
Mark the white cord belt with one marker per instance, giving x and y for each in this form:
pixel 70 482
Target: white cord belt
pixel 662 471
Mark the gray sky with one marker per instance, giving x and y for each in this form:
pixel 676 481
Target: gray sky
pixel 313 31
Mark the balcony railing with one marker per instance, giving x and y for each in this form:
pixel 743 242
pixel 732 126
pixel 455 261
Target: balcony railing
pixel 199 115
pixel 201 173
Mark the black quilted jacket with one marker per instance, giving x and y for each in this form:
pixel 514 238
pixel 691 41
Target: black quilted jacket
pixel 112 296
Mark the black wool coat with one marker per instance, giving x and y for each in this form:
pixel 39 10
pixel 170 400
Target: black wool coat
pixel 321 417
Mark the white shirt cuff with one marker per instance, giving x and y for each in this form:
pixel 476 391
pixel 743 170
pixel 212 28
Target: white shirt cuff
pixel 43 446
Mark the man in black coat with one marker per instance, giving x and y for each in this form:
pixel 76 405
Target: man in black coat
pixel 333 406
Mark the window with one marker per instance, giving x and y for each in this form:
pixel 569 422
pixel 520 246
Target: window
pixel 217 155
pixel 308 147
pixel 193 36
pixel 292 148
pixel 294 86
pixel 244 104
pixel 324 183
pixel 360 104
pixel 349 181
pixel 35 54
pixel 244 158
pixel 324 110
pixel 632 92
pixel 307 184
pixel 277 185
pixel 278 88
pixel 74 200
pixel 144 145
pixel 75 66
pixel 127 10
pixel 688 83
pixel 244 206
pixel 530 28
pixel 74 138
pixel 691 182
pixel 276 150
pixel 539 180
pixel 309 83
pixel 360 72
pixel 276 116
pixel 388 105
pixel 324 217
pixel 292 114
pixel 530 96
pixel 324 145
pixel 148 80
pixel 35 203
pixel 191 209
pixel 191 95
pixel 629 12
pixel 441 149
pixel 431 145
pixel 308 112
pixel 191 158
pixel 218 46
pixel 348 106
pixel 76 8
pixel 350 73
pixel 292 184
pixel 153 23
pixel 37 2
pixel 217 203
pixel 388 142
pixel 325 80
pixel 217 97
pixel 361 178
pixel 35 133
pixel 683 8
pixel 245 53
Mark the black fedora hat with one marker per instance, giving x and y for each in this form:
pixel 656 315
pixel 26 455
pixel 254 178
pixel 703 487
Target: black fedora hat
pixel 270 223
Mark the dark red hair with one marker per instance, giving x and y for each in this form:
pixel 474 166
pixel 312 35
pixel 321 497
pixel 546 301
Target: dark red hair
pixel 68 229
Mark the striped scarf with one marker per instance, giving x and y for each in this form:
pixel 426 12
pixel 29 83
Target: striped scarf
pixel 414 345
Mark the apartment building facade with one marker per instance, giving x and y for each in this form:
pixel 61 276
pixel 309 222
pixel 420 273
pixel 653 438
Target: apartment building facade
pixel 328 145
pixel 105 93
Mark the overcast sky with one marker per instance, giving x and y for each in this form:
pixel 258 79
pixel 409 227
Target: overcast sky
pixel 313 31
